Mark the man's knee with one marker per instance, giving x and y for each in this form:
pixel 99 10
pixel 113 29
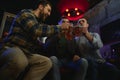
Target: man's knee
pixel 54 59
pixel 20 64
pixel 41 61
pixel 84 62
pixel 48 62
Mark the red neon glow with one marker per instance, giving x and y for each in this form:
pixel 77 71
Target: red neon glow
pixel 83 5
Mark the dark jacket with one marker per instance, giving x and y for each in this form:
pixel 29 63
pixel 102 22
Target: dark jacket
pixel 61 47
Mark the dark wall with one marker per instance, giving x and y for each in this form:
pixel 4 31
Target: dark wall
pixel 110 32
pixel 14 6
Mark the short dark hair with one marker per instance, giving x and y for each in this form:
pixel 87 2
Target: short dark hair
pixel 42 2
pixel 64 17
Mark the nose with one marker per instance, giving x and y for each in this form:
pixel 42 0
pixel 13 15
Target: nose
pixel 49 14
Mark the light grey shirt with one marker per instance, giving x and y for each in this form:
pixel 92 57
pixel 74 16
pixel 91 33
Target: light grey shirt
pixel 90 50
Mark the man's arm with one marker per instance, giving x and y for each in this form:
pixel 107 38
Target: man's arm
pixel 97 42
pixel 30 24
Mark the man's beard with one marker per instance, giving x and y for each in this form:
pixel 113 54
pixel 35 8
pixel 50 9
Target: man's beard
pixel 41 17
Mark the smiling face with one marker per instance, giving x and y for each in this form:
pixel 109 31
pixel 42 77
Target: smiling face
pixel 44 11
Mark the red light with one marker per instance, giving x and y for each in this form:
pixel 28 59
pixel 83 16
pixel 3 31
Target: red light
pixel 76 9
pixel 77 13
pixel 67 10
pixel 68 14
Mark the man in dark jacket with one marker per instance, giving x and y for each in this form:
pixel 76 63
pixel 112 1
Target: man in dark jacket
pixel 64 47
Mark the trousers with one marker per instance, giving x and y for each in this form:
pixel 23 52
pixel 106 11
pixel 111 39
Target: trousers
pixel 79 67
pixel 13 61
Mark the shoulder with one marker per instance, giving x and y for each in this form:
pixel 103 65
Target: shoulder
pixel 94 33
pixel 26 12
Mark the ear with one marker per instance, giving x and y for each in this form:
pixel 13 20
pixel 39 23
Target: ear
pixel 40 7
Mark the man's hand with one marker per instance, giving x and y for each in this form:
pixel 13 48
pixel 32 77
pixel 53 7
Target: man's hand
pixel 76 57
pixel 65 25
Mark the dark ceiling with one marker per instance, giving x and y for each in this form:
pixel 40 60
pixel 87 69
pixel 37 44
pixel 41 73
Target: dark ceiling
pixel 13 6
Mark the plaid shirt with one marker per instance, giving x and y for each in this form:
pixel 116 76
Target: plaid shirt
pixel 26 29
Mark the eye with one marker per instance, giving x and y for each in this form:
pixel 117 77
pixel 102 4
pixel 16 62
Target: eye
pixel 63 21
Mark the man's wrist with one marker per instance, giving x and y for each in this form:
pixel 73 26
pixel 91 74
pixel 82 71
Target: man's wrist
pixel 85 33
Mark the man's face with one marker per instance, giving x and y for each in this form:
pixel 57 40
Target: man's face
pixel 45 12
pixel 65 23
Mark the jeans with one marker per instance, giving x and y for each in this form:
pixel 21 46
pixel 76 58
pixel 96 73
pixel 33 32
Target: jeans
pixel 108 71
pixel 54 73
pixel 79 67
pixel 102 71
pixel 92 72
